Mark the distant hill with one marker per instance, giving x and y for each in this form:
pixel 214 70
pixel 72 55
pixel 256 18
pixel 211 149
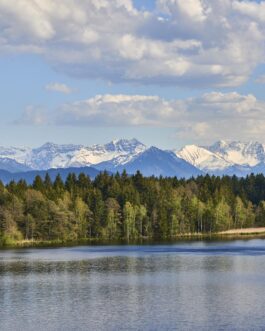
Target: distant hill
pixel 29 176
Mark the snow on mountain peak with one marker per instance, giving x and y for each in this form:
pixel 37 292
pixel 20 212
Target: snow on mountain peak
pixel 18 154
pixel 52 147
pixel 241 153
pixel 202 158
pixel 51 155
pixel 223 157
pixel 125 145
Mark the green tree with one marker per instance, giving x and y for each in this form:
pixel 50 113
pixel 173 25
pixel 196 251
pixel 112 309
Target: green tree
pixel 223 217
pixel 129 215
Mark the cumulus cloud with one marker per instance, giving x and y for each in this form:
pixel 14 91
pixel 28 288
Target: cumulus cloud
pixel 208 117
pixel 192 9
pixel 192 42
pixel 116 110
pixel 59 87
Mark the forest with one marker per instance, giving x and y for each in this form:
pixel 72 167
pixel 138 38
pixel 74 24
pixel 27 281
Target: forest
pixel 120 206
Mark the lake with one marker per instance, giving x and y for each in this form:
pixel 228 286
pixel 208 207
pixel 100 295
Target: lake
pixel 183 286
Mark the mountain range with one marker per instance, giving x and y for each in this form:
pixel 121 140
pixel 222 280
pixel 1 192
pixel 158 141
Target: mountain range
pixel 221 158
pixel 226 157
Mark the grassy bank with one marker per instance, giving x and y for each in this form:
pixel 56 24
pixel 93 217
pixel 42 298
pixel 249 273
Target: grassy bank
pixel 44 243
pixel 230 234
pixel 244 232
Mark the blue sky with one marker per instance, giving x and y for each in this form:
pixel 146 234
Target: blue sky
pixel 167 72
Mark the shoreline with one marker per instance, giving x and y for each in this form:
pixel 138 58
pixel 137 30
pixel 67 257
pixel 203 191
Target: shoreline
pixel 250 233
pixel 243 232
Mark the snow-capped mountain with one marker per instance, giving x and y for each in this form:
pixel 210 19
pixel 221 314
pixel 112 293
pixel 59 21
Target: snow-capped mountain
pixel 221 158
pixel 236 152
pixel 13 153
pixel 50 156
pixel 153 162
pixel 12 165
pixel 226 157
pixel 120 151
pixel 156 162
pixel 203 158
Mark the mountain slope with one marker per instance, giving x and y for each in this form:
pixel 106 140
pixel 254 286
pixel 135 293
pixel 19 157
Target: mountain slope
pixel 222 158
pixel 226 158
pixel 122 150
pixel 236 152
pixel 52 155
pixel 12 165
pixel 202 158
pixel 154 161
pixel 14 153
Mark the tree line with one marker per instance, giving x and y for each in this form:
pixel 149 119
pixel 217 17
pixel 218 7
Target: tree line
pixel 128 207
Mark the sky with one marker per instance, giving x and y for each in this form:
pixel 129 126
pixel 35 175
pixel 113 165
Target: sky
pixel 167 72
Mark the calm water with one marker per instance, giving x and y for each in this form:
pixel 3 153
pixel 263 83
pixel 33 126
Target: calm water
pixel 187 286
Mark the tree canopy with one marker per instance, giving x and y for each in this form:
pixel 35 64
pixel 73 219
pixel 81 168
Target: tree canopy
pixel 128 207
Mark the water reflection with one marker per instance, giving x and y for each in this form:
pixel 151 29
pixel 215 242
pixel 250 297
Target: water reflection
pixel 202 286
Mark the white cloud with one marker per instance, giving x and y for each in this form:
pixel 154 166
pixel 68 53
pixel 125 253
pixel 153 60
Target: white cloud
pixel 59 87
pixel 251 9
pixel 208 117
pixel 191 9
pixel 192 42
pixel 114 110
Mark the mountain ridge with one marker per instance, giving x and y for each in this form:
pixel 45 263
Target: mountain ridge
pixel 221 158
pixel 226 157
